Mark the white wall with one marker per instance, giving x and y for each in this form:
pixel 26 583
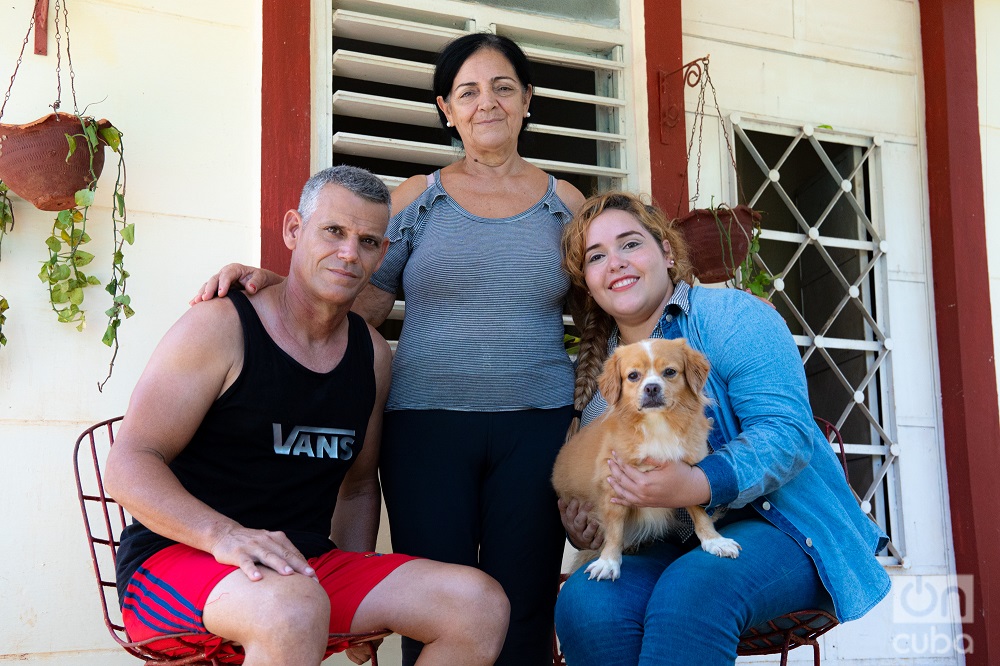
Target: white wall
pixel 988 68
pixel 182 81
pixel 855 65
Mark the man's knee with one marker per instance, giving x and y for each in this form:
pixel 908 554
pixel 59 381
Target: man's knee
pixel 277 610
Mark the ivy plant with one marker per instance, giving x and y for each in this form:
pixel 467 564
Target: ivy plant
pixel 6 225
pixel 65 271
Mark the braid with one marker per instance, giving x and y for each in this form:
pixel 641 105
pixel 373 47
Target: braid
pixel 595 329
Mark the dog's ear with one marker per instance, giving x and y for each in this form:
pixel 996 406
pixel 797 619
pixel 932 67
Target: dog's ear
pixel 696 368
pixel 610 381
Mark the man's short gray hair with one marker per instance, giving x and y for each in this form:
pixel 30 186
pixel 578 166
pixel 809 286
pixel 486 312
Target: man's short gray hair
pixel 353 179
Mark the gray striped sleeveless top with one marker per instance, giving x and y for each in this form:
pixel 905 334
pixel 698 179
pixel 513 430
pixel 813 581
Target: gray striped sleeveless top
pixel 484 297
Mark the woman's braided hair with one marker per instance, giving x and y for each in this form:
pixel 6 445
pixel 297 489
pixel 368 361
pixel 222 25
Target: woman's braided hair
pixel 594 324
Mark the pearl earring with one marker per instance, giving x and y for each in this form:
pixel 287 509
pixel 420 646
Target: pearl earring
pixel 527 114
pixel 447 123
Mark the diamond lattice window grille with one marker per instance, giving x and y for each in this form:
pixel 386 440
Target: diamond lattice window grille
pixel 823 240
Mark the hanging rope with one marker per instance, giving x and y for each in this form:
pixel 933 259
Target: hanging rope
pixel 61 21
pixel 696 74
pixel 17 66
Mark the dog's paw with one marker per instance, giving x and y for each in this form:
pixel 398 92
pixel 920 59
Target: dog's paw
pixel 722 547
pixel 603 569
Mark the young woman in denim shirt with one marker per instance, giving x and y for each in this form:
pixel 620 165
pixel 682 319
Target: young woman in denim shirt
pixel 806 543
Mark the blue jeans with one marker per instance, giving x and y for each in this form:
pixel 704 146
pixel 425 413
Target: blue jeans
pixel 677 604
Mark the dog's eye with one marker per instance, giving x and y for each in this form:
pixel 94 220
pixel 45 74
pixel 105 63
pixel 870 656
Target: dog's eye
pixel 669 373
pixel 633 376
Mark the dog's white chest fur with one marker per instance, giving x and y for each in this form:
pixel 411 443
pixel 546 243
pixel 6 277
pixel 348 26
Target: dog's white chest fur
pixel 660 442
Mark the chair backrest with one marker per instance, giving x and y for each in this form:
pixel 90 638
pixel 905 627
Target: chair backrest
pixel 832 434
pixel 103 518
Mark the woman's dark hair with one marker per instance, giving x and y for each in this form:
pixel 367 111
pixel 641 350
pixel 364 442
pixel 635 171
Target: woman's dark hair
pixel 457 51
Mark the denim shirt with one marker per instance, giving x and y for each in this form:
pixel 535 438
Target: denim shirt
pixel 767 451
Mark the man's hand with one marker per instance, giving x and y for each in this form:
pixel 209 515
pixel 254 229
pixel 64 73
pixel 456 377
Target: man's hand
pixel 670 485
pixel 246 548
pixel 235 276
pixel 583 529
pixel 359 654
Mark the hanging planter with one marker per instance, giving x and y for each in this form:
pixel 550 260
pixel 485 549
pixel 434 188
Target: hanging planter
pixel 34 165
pixel 718 240
pixel 54 163
pixel 723 241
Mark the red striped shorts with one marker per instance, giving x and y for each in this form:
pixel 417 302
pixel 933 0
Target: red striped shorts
pixel 167 595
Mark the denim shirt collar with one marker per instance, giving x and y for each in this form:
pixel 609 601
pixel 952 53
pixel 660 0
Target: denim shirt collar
pixel 678 303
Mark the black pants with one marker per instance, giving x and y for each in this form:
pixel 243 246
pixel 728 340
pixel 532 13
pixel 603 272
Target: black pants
pixel 475 488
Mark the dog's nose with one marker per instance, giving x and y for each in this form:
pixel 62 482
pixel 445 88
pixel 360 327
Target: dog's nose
pixel 651 390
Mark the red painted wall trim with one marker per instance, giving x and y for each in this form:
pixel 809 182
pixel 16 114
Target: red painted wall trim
pixel 667 134
pixel 962 309
pixel 285 121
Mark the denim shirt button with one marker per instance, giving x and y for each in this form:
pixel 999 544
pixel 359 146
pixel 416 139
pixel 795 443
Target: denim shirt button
pixel 809 542
pixel 766 506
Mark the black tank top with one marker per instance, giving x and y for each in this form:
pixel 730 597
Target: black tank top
pixel 272 451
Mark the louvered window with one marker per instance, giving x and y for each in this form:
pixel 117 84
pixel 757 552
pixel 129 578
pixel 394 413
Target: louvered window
pixel 374 108
pixel 381 114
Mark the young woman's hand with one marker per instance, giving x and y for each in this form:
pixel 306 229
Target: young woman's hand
pixel 670 485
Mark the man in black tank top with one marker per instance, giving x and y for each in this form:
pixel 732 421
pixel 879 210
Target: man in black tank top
pixel 248 457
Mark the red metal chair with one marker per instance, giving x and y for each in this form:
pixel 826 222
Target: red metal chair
pixel 104 520
pixel 781 634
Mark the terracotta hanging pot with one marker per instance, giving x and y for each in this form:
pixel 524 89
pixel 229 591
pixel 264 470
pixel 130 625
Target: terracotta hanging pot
pixel 33 161
pixel 718 240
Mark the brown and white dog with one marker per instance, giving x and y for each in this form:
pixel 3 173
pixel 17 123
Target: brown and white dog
pixel 654 390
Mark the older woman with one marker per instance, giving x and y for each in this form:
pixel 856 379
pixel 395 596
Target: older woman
pixel 482 389
pixel 806 544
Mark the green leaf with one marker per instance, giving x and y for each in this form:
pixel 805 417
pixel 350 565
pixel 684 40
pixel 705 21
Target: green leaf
pixel 64 219
pixel 76 296
pixel 91 131
pixel 4 306
pixel 71 140
pixel 112 288
pixel 117 258
pixel 124 299
pixel 60 272
pixel 128 233
pixel 53 244
pixel 83 325
pixel 65 315
pixel 84 197
pixel 82 258
pixel 112 137
pixel 85 238
pixel 120 200
pixel 65 237
pixel 128 311
pixel 109 336
pixel 93 280
pixel 59 296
